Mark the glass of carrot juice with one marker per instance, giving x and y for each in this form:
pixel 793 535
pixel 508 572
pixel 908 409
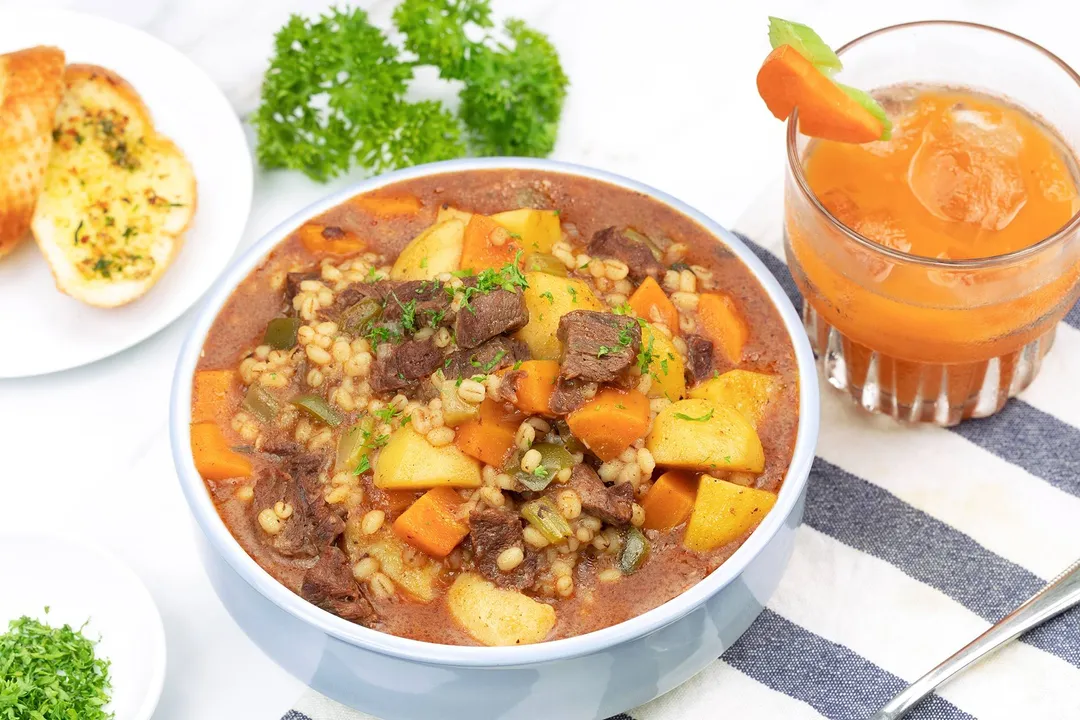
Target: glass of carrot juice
pixel 935 265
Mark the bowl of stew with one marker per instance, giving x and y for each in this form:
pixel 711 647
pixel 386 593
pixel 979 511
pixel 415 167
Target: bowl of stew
pixel 496 438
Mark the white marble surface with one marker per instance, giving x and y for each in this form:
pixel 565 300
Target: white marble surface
pixel 662 91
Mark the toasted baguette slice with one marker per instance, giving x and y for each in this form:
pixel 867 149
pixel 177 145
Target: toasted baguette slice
pixel 117 197
pixel 31 82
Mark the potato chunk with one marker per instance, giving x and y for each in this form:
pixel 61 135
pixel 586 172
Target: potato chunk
pixel 667 368
pixel 410 462
pixel 748 392
pixel 418 581
pixel 538 230
pixel 724 512
pixel 432 252
pixel 698 434
pixel 498 617
pixel 548 298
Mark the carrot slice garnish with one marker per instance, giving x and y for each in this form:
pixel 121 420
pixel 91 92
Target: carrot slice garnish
pixel 797 74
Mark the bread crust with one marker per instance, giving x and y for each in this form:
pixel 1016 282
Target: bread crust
pixel 31 85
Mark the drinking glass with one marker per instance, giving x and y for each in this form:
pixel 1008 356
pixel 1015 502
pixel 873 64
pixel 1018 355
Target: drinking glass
pixel 922 339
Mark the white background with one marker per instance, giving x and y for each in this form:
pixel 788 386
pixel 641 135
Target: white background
pixel 662 91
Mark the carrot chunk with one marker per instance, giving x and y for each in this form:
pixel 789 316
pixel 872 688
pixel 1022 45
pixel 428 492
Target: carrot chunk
pixel 787 81
pixel 387 205
pixel 611 421
pixel 489 436
pixel 431 524
pixel 214 459
pixel 322 239
pixel 651 303
pixel 670 500
pixel 722 323
pixel 533 388
pixel 487 245
pixel 210 393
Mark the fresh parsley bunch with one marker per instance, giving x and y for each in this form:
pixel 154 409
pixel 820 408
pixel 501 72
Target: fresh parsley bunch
pixel 334 94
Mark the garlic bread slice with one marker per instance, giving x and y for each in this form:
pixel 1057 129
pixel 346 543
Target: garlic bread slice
pixel 117 195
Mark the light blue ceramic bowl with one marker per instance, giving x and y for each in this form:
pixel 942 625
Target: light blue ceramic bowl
pixel 590 676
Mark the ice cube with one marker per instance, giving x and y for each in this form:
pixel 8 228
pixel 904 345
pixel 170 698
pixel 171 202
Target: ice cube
pixel 967 168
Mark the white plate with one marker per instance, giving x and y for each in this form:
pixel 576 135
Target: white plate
pixel 80 584
pixel 55 332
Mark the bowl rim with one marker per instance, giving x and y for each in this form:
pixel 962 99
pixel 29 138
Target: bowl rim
pixel 223 542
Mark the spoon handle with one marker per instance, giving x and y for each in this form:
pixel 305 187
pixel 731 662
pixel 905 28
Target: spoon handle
pixel 1058 596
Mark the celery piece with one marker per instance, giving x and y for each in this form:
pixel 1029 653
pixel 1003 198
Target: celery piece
pixel 353 445
pixel 260 403
pixel 635 550
pixel 455 410
pixel 545 517
pixel 317 408
pixel 806 42
pixel 542 262
pixel 281 333
pixel 872 106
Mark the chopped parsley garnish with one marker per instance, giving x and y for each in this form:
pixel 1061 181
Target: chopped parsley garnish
pixel 703 418
pixel 387 413
pixel 548 296
pixel 573 292
pixel 363 466
pixel 435 317
pixel 508 277
pixel 623 309
pixel 48 672
pixel 423 263
pixel 372 274
pixel 663 366
pixel 381 334
pixel 541 471
pixel 625 338
pixel 645 356
pixel 78 228
pixel 487 367
pixel 408 315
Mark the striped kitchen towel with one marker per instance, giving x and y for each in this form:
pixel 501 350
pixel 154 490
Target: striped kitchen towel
pixel 916 540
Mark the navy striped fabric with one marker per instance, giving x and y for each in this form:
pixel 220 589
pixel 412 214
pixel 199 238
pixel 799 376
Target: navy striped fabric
pixel 855 512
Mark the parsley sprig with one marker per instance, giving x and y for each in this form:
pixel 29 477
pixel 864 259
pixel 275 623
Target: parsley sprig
pixel 334 93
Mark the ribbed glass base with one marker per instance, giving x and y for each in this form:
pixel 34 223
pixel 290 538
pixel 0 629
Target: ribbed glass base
pixel 922 392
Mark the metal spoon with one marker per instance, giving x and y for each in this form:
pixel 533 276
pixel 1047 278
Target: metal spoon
pixel 1058 596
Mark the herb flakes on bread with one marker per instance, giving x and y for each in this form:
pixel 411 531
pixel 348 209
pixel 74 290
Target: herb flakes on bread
pixel 31 82
pixel 117 195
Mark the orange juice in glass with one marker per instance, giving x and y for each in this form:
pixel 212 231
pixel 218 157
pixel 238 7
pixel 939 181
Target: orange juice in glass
pixel 935 265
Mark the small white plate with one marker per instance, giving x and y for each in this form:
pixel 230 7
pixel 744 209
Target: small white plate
pixel 81 584
pixel 49 331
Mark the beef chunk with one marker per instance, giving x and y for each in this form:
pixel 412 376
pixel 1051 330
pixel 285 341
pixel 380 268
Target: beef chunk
pixel 569 395
pixel 699 359
pixel 492 356
pixel 329 584
pixel 425 302
pixel 597 346
pixel 492 531
pixel 407 363
pixel 313 523
pixel 489 314
pixel 612 504
pixel 295 539
pixel 292 285
pixel 615 243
